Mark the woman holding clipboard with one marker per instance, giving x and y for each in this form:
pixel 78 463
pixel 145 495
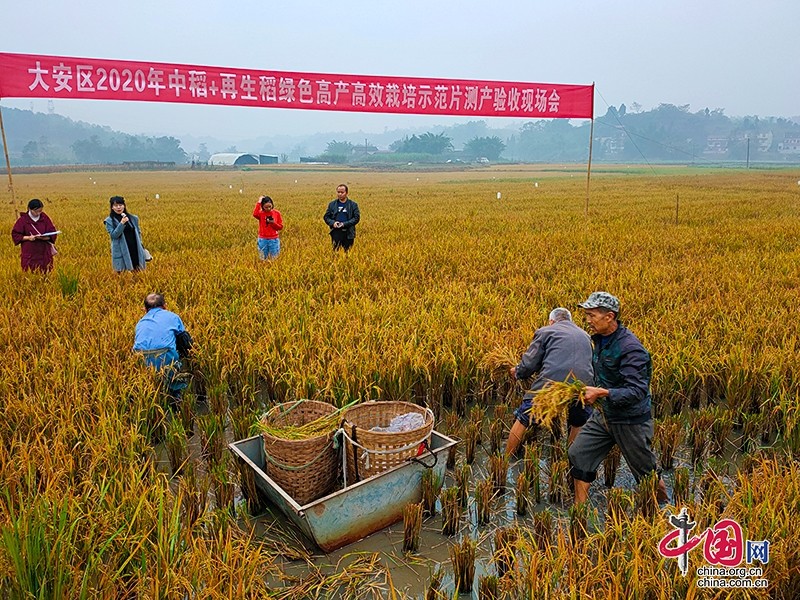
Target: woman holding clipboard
pixel 36 235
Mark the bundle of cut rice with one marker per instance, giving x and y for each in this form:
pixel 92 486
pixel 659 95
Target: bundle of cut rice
pixel 499 362
pixel 553 399
pixel 320 426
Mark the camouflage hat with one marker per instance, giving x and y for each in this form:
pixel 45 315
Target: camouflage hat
pixel 601 300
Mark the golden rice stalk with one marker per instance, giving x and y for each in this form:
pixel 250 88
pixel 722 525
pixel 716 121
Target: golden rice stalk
pixel 431 484
pixel 645 494
pixel 680 488
pixel 177 445
pixel 484 490
pixel 470 439
pixel 559 488
pixel 462 477
pixel 498 471
pixel 451 511
pixel 193 492
pixel 667 437
pixel 578 523
pixel 532 471
pixel 505 539
pixel 476 416
pixel 752 428
pixel 553 399
pixel 610 465
pixel 451 424
pixel 462 556
pixel 618 504
pixel 224 487
pixel 496 430
pixel 700 423
pixel 721 428
pixel 451 457
pixel 433 593
pixel 543 526
pixel 318 427
pixel 488 587
pixel 412 524
pixel 188 410
pixel 212 437
pixel 522 488
pixel 499 362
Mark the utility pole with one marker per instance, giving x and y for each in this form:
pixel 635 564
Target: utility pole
pixel 748 151
pixel 589 169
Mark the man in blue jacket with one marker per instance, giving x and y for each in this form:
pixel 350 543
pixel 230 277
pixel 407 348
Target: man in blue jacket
pixel 342 216
pixel 622 371
pixel 162 339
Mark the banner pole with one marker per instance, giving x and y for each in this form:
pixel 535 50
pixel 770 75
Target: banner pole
pixel 589 166
pixel 8 163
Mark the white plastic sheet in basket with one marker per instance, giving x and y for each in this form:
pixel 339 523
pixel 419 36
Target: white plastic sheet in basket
pixel 405 422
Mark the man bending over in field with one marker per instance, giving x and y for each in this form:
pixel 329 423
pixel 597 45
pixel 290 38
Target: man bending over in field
pixel 559 350
pixel 163 340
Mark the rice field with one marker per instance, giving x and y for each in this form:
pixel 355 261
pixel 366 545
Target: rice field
pixel 105 492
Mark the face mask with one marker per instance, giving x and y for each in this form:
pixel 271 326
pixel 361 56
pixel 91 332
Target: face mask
pixel 33 217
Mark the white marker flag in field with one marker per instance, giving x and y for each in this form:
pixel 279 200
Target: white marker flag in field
pixel 37 76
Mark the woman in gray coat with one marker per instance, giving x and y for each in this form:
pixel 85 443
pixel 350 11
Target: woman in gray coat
pixel 127 252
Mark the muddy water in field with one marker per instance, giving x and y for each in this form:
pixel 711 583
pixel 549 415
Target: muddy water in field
pixel 411 574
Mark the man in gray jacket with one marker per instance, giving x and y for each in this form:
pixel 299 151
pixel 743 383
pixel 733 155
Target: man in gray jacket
pixel 559 350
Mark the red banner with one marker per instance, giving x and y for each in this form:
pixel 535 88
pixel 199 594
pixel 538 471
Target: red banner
pixel 36 76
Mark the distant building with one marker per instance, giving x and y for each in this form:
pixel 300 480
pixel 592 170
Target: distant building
pixel 613 145
pixel 790 143
pixel 764 141
pixel 716 144
pixel 238 159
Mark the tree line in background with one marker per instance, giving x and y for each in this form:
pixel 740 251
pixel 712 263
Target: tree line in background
pixel 430 147
pixel 49 139
pixel 667 133
pixel 129 149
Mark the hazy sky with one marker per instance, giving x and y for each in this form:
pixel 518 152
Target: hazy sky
pixel 738 55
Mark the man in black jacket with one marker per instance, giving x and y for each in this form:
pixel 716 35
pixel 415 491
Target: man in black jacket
pixel 342 217
pixel 622 371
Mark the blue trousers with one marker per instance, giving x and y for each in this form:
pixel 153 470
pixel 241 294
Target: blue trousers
pixel 269 248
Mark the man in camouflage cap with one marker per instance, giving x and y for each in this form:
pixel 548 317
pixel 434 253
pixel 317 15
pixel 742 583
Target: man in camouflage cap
pixel 601 300
pixel 622 371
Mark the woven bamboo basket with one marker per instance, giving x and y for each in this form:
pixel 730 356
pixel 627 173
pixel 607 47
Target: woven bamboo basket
pixel 381 450
pixel 305 469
